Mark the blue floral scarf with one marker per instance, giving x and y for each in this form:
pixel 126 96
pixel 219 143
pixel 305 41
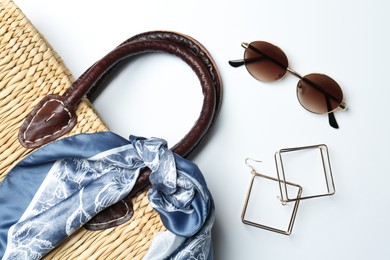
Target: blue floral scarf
pixel 56 189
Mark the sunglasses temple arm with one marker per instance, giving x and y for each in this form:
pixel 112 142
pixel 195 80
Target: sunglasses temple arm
pixel 331 117
pixel 236 63
pixel 267 56
pixel 241 62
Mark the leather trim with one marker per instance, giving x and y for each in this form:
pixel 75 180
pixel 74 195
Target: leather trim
pixel 50 119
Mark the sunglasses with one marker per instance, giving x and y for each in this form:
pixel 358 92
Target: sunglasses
pixel 317 93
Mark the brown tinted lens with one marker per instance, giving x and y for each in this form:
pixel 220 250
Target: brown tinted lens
pixel 265 61
pixel 319 93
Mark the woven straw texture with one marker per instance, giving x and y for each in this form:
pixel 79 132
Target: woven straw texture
pixel 29 70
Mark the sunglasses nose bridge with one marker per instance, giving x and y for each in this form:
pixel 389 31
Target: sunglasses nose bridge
pixel 293 72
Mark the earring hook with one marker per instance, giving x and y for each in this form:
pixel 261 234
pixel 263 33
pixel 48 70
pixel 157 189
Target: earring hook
pixel 249 165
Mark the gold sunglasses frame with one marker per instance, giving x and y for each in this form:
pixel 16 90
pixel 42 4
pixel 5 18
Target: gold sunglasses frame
pixel 331 117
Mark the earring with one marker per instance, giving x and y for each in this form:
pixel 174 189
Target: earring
pixel 324 171
pixel 286 203
pixel 262 178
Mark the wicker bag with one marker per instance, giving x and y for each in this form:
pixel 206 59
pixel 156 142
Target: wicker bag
pixel 30 70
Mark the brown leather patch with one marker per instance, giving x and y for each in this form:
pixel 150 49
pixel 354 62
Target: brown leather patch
pixel 112 216
pixel 50 119
pixel 121 211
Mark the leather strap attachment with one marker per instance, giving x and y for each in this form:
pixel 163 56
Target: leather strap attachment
pixel 51 118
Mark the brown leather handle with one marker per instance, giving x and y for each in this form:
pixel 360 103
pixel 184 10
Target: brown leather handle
pixel 54 116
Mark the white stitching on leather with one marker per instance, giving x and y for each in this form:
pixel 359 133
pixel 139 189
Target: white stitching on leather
pixel 47 136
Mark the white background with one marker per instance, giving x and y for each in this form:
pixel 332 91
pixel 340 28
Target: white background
pixel 159 95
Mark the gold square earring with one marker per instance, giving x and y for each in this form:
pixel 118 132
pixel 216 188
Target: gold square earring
pixel 285 186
